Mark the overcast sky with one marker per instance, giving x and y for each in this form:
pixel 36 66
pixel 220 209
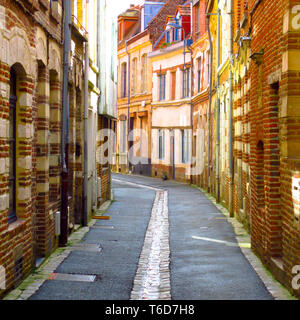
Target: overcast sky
pixel 122 5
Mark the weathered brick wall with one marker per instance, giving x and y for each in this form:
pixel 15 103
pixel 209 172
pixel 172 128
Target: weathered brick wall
pixel 26 49
pixel 275 132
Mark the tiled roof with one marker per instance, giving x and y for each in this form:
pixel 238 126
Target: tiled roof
pixel 157 24
pixel 184 10
pixel 132 12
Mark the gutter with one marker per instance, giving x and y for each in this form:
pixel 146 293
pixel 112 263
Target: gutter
pixel 218 111
pixel 85 117
pixel 230 136
pixel 210 98
pixel 128 102
pixel 63 239
pixel 192 110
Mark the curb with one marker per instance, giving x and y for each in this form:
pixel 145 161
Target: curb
pixel 278 291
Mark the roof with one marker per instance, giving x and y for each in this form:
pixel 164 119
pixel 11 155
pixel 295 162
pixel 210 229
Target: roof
pixel 157 24
pixel 131 12
pixel 184 10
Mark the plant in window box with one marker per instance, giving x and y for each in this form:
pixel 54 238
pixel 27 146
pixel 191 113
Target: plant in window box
pixel 165 45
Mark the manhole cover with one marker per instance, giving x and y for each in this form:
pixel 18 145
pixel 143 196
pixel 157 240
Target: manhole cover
pixel 89 247
pixel 73 277
pixel 103 227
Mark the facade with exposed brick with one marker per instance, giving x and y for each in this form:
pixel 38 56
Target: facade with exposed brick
pixel 31 78
pixel 245 127
pixel 31 83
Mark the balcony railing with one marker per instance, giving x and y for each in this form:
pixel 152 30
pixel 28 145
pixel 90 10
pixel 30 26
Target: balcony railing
pixel 79 26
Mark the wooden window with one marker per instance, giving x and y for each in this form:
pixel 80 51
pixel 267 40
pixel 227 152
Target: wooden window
pixel 162 87
pixel 161 144
pixel 185 145
pixel 144 73
pixel 123 80
pixel 199 74
pixel 185 83
pixel 173 85
pixel 197 20
pixel 12 215
pixel 123 135
pixel 168 37
pixel 134 71
pixel 176 34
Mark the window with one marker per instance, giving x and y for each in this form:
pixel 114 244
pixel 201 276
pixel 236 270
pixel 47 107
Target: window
pixel 134 71
pixel 168 37
pixel 176 35
pixel 185 83
pixel 197 19
pixel 144 73
pixel 185 145
pixel 123 135
pixel 162 87
pixel 199 74
pixel 12 215
pixel 123 80
pixel 161 144
pixel 208 66
pixel 173 84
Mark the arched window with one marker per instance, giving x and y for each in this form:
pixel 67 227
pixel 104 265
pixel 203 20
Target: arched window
pixel 12 214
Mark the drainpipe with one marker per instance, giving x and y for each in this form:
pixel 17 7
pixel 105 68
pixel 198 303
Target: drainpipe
pixel 85 117
pixel 230 137
pixel 128 103
pixel 218 112
pixel 210 98
pixel 192 110
pixel 192 91
pixel 65 123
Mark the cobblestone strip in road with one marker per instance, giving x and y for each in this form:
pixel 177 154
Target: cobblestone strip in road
pixel 152 280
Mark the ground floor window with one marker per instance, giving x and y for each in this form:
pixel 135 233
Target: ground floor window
pixel 185 145
pixel 161 144
pixel 12 215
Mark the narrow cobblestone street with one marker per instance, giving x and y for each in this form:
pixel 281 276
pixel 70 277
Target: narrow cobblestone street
pixel 164 240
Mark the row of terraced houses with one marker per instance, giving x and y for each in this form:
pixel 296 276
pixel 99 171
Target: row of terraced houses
pixel 209 94
pixel 56 95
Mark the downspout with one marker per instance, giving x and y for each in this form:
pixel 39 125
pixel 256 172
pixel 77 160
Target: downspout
pixel 209 102
pixel 63 239
pixel 85 117
pixel 218 112
pixel 128 104
pixel 192 111
pixel 192 92
pixel 230 136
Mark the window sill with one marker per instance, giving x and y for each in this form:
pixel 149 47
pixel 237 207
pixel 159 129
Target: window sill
pixel 16 226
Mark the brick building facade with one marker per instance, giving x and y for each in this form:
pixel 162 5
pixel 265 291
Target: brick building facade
pixel 245 109
pixel 31 103
pixel 31 78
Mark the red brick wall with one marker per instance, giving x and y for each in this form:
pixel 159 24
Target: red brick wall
pixel 33 233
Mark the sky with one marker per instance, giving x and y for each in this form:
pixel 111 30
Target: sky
pixel 122 5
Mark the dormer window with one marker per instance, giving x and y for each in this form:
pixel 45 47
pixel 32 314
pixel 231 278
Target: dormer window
pixel 168 37
pixel 176 34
